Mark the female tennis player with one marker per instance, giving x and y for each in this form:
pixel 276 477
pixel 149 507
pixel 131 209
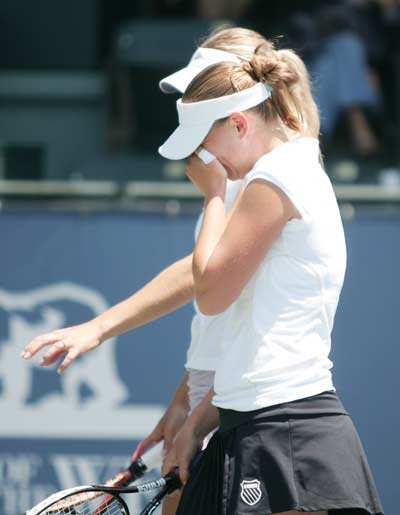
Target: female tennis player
pixel 274 268
pixel 171 289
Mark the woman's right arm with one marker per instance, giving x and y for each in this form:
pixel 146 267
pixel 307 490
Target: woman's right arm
pixel 168 291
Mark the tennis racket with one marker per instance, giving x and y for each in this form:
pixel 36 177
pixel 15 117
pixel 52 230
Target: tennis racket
pixel 103 500
pixel 150 460
pixel 157 499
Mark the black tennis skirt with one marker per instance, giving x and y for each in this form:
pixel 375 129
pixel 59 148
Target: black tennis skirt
pixel 303 455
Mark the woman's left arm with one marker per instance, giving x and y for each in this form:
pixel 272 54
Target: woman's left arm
pixel 228 251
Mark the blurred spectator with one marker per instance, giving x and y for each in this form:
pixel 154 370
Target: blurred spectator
pixel 326 35
pixel 343 85
pixel 354 68
pixel 380 29
pixel 351 48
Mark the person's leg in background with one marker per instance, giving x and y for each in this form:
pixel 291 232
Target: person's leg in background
pixel 342 85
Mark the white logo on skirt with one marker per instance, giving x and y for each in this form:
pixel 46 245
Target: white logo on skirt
pixel 251 491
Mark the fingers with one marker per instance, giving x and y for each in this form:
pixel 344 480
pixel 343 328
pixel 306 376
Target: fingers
pixel 39 342
pixel 183 474
pixel 144 445
pixel 170 462
pixel 182 463
pixel 140 449
pixel 186 445
pixel 56 350
pixel 69 358
pixel 168 443
pixel 59 347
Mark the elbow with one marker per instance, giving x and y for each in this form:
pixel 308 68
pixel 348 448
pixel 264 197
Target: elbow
pixel 214 294
pixel 209 304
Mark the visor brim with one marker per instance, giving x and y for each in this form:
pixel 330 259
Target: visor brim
pixel 179 81
pixel 184 141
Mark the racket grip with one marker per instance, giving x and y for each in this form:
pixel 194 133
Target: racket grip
pixel 172 484
pixel 173 480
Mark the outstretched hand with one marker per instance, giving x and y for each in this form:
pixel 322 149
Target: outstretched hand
pixel 70 342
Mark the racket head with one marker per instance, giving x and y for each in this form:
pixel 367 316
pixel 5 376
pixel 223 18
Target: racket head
pixel 89 501
pixel 121 479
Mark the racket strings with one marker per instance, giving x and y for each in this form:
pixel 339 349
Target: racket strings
pixel 88 503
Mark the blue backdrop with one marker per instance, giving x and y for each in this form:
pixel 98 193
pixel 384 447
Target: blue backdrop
pixel 61 269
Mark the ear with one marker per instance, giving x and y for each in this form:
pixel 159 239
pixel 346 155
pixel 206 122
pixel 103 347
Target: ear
pixel 240 123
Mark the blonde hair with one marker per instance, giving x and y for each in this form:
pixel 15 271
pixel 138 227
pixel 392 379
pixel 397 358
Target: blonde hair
pixel 237 40
pixel 291 100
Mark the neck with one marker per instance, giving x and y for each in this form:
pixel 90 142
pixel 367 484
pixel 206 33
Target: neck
pixel 266 141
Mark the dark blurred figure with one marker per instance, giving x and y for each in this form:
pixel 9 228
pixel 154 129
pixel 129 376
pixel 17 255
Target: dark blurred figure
pixel 380 29
pixel 353 56
pixel 326 35
pixel 344 87
pixel 352 50
pixel 334 38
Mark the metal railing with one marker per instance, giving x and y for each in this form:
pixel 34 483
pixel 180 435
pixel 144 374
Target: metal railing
pixel 179 190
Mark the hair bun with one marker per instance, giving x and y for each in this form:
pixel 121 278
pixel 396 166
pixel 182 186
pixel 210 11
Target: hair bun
pixel 266 65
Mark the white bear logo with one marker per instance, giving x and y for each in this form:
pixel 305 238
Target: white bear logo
pixel 62 412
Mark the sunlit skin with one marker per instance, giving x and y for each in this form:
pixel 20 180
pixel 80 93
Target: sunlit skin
pixel 230 247
pixel 240 140
pixel 237 142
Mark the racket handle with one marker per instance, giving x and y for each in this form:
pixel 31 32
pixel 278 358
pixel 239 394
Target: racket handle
pixel 172 484
pixel 173 480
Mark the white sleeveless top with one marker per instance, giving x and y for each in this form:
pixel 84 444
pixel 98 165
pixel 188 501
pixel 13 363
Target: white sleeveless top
pixel 277 334
pixel 206 331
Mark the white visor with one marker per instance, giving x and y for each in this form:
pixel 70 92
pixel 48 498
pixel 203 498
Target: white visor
pixel 197 118
pixel 201 59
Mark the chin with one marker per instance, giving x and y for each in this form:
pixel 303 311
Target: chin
pixel 236 176
pixel 232 175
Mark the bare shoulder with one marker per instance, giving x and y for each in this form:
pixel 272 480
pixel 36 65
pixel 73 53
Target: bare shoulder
pixel 262 196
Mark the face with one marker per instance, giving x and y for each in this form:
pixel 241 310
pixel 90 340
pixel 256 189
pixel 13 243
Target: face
pixel 235 142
